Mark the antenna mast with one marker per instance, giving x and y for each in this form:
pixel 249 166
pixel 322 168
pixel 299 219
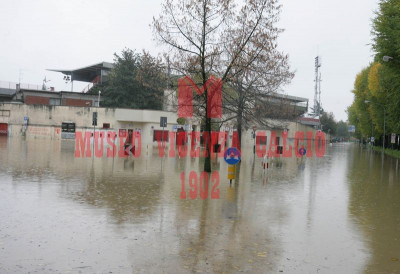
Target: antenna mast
pixel 317 95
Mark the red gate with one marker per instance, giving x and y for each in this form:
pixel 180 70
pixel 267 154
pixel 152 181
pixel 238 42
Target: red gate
pixel 3 129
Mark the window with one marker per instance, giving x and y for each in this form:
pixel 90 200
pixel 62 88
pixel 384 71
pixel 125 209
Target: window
pixel 279 148
pixel 261 140
pixel 158 134
pixel 68 127
pixel 55 102
pixel 5 113
pixel 106 125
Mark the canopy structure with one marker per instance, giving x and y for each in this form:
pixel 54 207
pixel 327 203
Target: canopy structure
pixel 282 106
pixel 93 74
pixel 308 121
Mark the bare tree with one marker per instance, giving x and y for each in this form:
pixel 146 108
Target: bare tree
pixel 250 88
pixel 219 37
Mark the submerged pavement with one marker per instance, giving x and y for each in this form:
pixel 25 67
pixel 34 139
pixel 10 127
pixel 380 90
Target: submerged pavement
pixel 61 214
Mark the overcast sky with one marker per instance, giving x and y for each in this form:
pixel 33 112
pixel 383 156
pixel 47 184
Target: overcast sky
pixel 41 34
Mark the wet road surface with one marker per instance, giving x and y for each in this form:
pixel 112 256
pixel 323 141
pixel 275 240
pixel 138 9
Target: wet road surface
pixel 61 214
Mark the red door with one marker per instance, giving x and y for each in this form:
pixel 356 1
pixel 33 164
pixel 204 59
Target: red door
pixel 3 129
pixel 158 135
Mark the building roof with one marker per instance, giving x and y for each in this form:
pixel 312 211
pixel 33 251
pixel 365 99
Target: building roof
pixel 38 92
pixel 7 92
pixel 287 97
pixel 308 121
pixel 88 73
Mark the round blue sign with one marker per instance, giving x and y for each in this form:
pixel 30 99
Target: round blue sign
pixel 232 156
pixel 302 151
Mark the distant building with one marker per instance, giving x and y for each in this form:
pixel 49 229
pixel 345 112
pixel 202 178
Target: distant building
pixel 282 106
pixel 6 94
pixel 53 98
pixel 309 121
pixel 92 74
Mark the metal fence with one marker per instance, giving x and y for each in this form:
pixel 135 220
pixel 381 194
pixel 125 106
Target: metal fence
pixel 13 85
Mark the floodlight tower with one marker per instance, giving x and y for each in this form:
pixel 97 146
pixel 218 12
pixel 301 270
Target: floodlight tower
pixel 317 95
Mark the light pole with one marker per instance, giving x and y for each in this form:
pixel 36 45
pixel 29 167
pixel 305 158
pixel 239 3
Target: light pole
pixel 387 58
pixel 384 121
pixel 99 99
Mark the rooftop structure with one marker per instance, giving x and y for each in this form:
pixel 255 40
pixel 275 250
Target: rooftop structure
pixel 6 94
pixel 308 121
pixel 52 98
pixel 94 74
pixel 281 106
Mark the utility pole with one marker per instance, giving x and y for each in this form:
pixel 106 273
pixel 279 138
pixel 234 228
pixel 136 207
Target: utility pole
pixel 319 100
pixel 98 104
pixel 317 94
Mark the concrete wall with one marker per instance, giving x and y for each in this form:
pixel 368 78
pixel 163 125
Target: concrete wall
pixel 292 128
pixel 36 97
pixel 78 102
pixel 45 122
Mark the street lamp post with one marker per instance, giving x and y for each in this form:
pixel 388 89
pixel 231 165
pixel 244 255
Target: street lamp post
pixel 384 121
pixel 387 58
pixel 99 99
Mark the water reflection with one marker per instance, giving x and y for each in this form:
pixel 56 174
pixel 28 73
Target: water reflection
pixel 124 214
pixel 375 205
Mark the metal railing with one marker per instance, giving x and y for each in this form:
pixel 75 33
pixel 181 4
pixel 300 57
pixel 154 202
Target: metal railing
pixel 13 85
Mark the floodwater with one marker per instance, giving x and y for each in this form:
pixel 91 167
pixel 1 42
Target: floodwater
pixel 61 214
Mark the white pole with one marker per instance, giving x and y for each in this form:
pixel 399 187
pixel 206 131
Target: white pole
pixel 99 99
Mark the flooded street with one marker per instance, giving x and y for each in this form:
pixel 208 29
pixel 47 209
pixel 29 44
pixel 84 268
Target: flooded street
pixel 61 214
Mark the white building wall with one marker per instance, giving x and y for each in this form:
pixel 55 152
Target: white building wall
pixel 45 122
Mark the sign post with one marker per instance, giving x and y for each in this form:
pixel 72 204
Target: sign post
pixel 26 119
pixel 302 151
pixel 163 124
pixel 232 157
pixel 94 121
pixel 94 124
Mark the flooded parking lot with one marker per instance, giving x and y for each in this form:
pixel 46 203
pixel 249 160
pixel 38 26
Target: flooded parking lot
pixel 61 214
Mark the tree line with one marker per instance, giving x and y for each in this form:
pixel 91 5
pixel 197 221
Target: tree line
pixel 377 87
pixel 337 130
pixel 235 41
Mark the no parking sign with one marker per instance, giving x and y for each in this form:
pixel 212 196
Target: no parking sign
pixel 232 156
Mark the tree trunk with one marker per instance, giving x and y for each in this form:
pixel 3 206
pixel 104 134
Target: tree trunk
pixel 207 160
pixel 239 118
pixel 239 126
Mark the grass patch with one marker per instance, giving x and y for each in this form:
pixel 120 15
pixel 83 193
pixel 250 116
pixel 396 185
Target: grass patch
pixel 388 151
